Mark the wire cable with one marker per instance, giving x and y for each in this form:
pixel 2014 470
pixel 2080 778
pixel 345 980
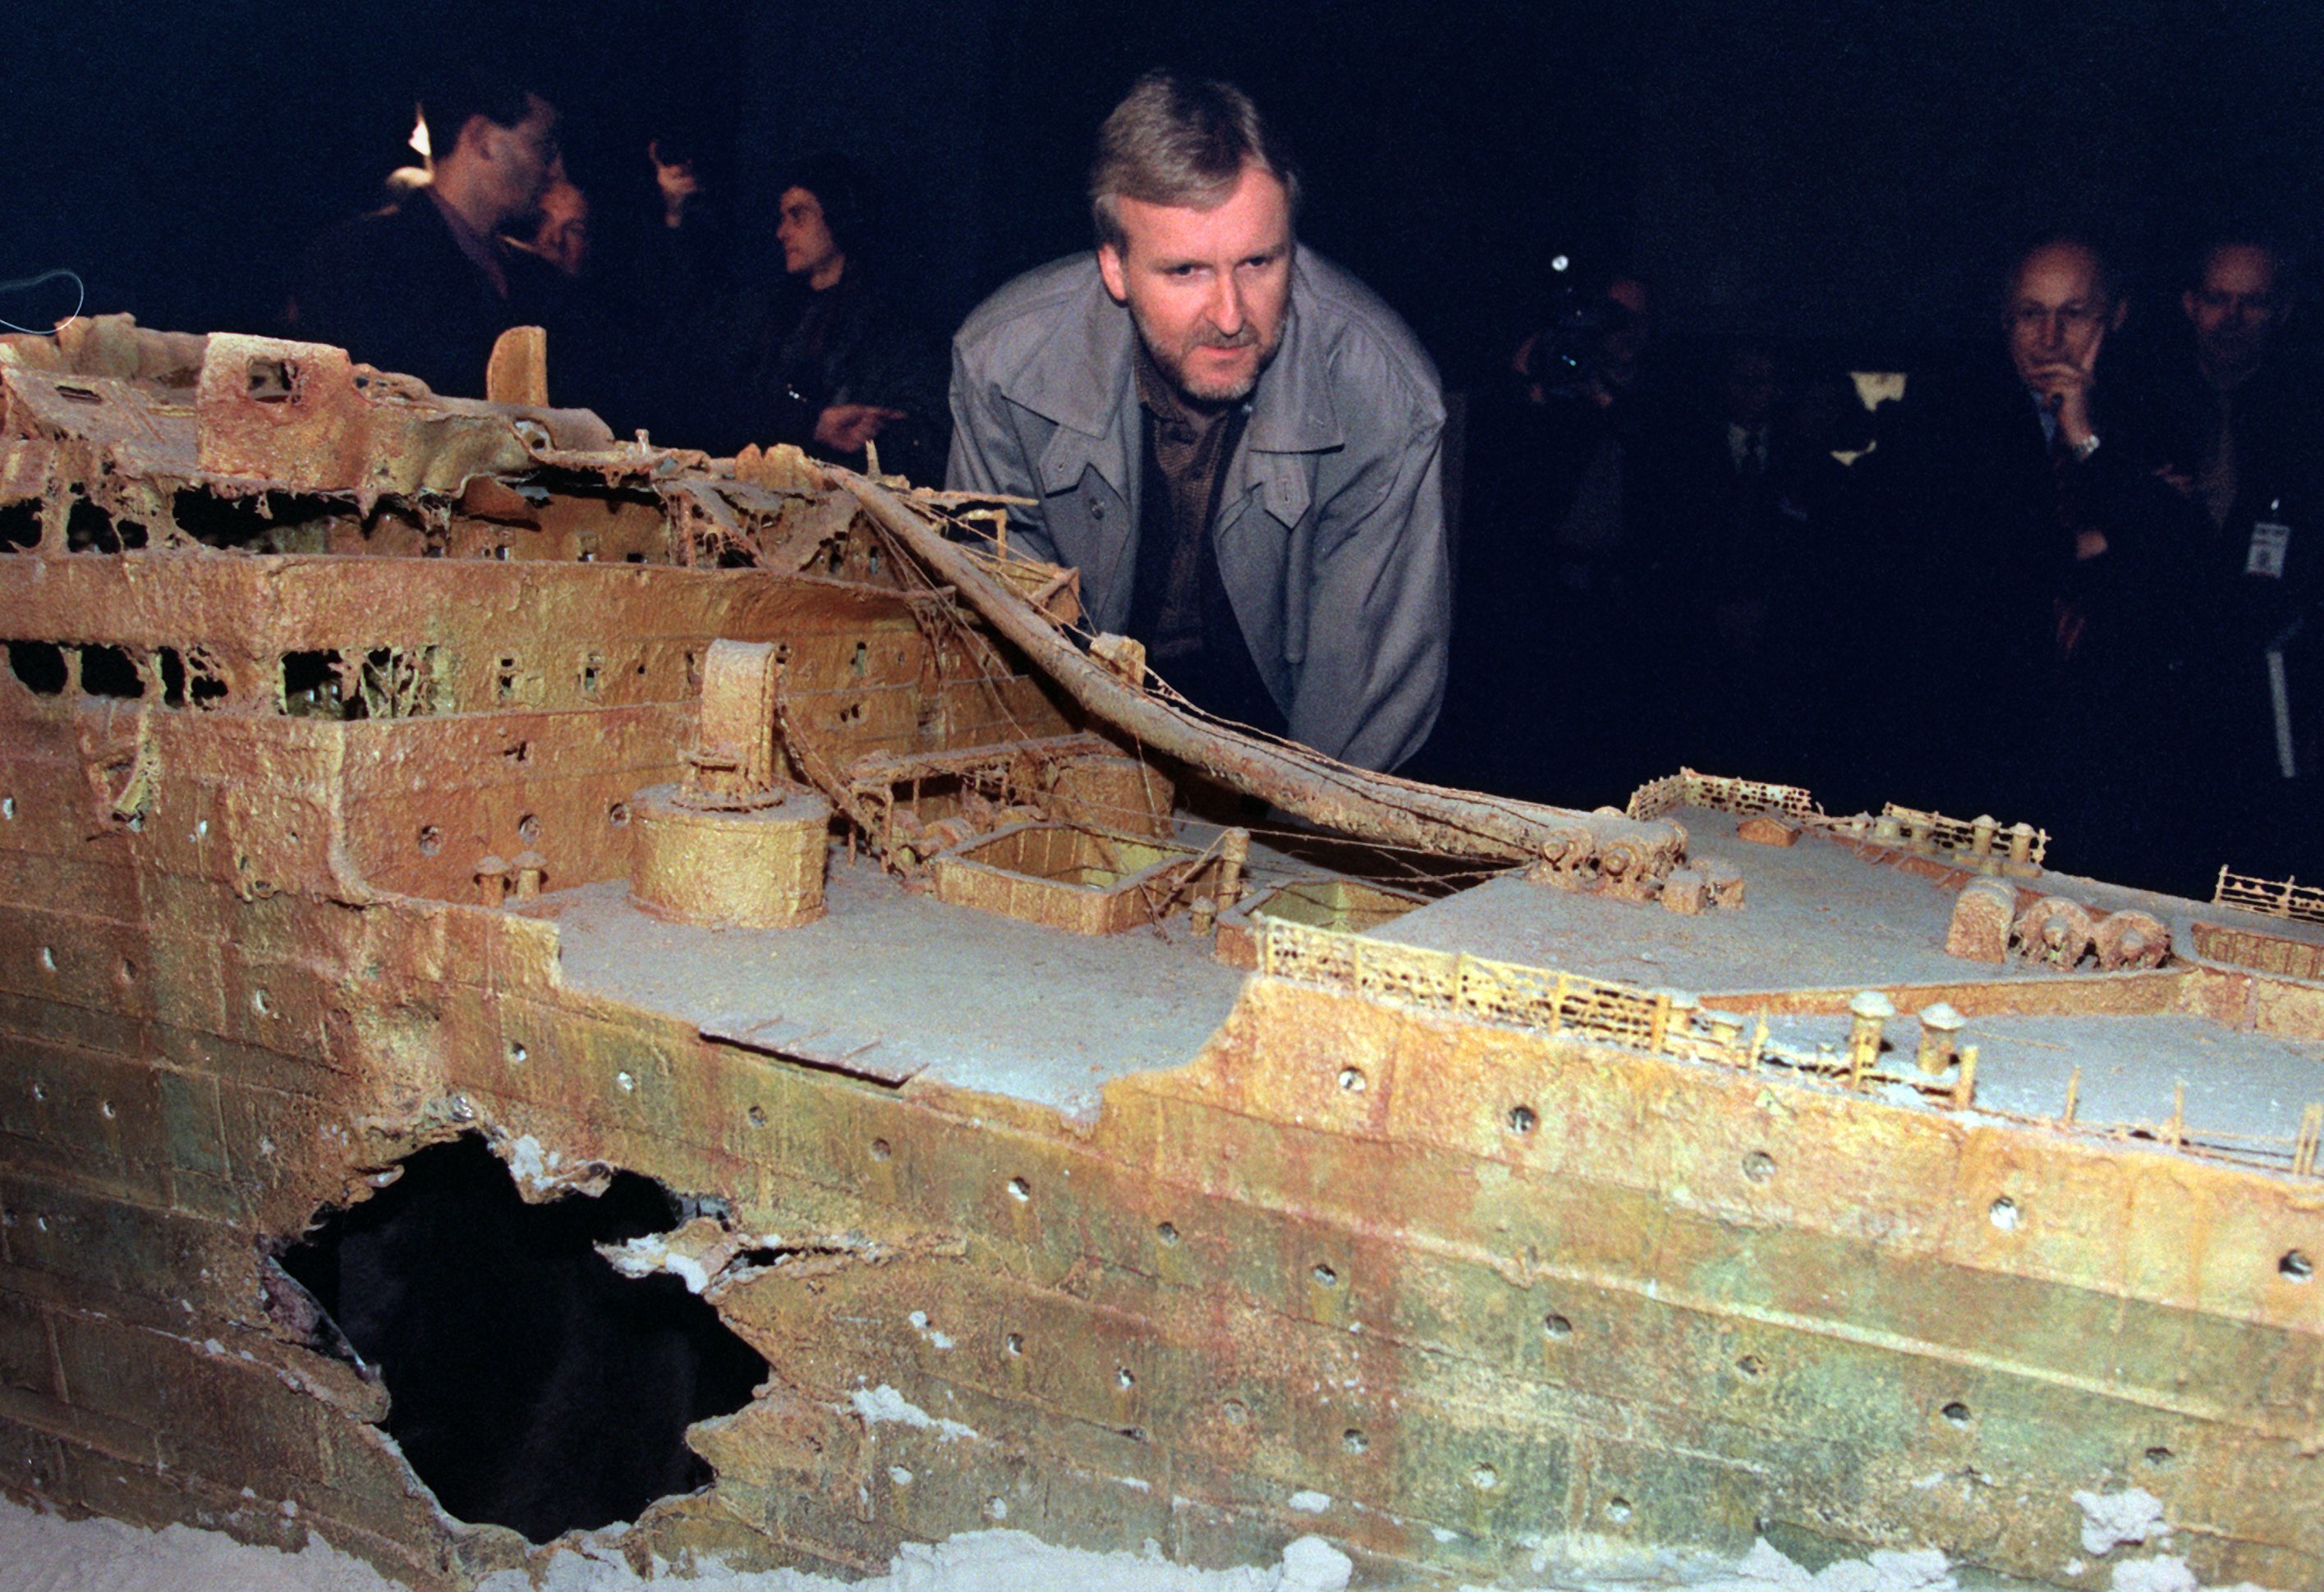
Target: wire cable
pixel 27 283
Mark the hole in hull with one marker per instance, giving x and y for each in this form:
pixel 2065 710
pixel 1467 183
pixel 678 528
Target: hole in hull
pixel 530 1384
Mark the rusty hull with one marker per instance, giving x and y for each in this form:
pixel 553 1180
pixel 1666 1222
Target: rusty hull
pixel 1469 1279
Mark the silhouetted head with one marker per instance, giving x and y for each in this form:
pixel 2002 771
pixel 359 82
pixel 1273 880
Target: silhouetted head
pixel 2237 301
pixel 492 144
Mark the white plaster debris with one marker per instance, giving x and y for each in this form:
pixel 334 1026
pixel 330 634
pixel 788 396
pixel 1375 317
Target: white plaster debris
pixel 48 1553
pixel 1313 1565
pixel 528 1165
pixel 643 1256
pixel 2162 1573
pixel 1599 1564
pixel 883 1403
pixel 51 1554
pixel 2112 1519
pixel 1309 1502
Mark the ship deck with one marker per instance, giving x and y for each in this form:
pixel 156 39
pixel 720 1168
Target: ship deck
pixel 1819 918
pixel 893 984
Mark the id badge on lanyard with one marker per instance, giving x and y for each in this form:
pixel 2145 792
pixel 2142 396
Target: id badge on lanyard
pixel 2270 540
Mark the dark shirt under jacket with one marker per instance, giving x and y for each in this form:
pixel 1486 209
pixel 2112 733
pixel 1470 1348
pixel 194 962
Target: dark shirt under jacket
pixel 1178 605
pixel 396 290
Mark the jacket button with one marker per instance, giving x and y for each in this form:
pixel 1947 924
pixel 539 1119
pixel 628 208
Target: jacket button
pixel 1097 511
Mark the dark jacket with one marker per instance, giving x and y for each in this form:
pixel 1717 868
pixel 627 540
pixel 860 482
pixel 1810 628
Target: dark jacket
pixel 2023 675
pixel 852 343
pixel 394 289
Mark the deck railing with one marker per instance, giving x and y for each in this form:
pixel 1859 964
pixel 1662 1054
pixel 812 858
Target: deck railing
pixel 2286 899
pixel 1673 1024
pixel 1983 844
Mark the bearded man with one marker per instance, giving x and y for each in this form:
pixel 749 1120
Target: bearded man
pixel 1237 444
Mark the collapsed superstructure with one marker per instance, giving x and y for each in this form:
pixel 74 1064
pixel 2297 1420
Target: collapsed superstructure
pixel 378 770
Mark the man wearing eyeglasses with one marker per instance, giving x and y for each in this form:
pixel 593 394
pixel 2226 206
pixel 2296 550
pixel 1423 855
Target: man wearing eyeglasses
pixel 2061 306
pixel 2045 567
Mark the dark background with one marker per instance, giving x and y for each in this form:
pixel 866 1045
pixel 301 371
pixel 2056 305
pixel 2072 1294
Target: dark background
pixel 1837 174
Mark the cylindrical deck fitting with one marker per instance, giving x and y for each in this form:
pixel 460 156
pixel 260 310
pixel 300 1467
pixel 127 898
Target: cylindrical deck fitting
pixel 2021 845
pixel 757 869
pixel 1868 1013
pixel 1234 855
pixel 1940 1027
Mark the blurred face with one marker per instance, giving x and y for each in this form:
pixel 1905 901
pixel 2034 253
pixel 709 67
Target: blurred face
pixel 2235 311
pixel 2057 312
pixel 518 162
pixel 563 239
pixel 808 248
pixel 1207 289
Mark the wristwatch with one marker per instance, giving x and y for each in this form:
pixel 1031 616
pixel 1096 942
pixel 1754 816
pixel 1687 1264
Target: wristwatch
pixel 2083 450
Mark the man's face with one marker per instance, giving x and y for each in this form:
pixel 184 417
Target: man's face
pixel 1207 289
pixel 2058 313
pixel 2235 310
pixel 521 160
pixel 808 246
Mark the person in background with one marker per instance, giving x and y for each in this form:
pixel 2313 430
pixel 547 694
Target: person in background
pixel 2036 581
pixel 831 360
pixel 1557 690
pixel 426 286
pixel 561 237
pixel 2241 420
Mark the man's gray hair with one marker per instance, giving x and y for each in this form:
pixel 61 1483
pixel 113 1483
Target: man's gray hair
pixel 1182 142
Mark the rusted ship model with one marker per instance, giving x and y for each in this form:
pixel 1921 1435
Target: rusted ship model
pixel 378 769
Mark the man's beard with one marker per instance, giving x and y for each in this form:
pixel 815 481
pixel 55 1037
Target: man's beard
pixel 2236 355
pixel 1172 362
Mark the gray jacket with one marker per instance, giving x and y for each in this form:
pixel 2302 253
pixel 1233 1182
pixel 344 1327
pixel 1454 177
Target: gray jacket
pixel 1331 531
